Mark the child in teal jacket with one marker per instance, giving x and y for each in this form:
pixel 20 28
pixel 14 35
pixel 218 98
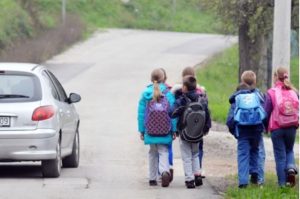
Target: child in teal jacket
pixel 158 144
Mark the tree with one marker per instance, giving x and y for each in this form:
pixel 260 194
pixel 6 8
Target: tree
pixel 253 21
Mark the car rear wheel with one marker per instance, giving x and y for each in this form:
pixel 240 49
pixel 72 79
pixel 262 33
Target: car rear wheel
pixel 72 161
pixel 52 168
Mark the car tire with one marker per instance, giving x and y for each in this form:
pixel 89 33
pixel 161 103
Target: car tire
pixel 72 161
pixel 52 168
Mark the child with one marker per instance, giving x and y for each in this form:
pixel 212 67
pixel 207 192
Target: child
pixel 189 151
pixel 176 90
pixel 170 148
pixel 283 98
pixel 247 131
pixel 256 167
pixel 154 132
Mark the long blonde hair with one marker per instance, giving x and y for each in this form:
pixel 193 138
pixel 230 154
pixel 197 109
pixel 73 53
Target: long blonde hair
pixel 281 74
pixel 157 76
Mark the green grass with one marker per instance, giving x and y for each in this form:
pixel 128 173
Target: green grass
pixel 14 22
pixel 295 71
pixel 270 190
pixel 220 78
pixel 186 16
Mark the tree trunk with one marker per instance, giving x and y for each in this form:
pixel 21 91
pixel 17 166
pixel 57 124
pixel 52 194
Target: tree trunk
pixel 253 55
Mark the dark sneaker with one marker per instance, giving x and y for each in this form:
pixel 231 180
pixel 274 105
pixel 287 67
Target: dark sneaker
pixel 254 178
pixel 198 181
pixel 152 182
pixel 171 174
pixel 165 179
pixel 190 184
pixel 242 186
pixel 291 178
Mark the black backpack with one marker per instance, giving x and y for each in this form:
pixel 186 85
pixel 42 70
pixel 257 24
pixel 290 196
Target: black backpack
pixel 193 120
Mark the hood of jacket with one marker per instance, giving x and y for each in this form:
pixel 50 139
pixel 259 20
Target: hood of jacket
pixel 192 95
pixel 148 92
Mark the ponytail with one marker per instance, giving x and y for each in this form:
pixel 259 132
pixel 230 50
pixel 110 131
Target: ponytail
pixel 287 84
pixel 282 75
pixel 156 91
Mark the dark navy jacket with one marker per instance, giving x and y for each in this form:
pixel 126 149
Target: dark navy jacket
pixel 243 131
pixel 179 107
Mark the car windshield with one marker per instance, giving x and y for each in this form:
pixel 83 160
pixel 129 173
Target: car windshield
pixel 19 87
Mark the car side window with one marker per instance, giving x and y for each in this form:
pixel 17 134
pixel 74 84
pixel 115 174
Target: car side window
pixel 61 92
pixel 54 92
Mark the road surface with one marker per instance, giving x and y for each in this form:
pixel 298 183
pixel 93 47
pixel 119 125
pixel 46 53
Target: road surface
pixel 110 70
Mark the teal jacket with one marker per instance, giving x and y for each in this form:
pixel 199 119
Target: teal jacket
pixel 147 95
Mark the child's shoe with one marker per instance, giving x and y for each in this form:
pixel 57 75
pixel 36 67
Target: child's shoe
pixel 291 178
pixel 254 178
pixel 243 186
pixel 165 179
pixel 198 180
pixel 152 182
pixel 190 184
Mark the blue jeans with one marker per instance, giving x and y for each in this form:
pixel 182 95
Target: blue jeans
pixel 200 152
pixel 283 144
pixel 170 149
pixel 260 162
pixel 247 150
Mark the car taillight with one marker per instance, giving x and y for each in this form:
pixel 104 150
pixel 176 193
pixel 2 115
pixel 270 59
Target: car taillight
pixel 43 113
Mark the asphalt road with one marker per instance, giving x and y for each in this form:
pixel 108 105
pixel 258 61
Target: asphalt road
pixel 110 70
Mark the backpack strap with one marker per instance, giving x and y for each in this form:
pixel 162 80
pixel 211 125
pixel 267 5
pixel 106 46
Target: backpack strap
pixel 165 91
pixel 188 100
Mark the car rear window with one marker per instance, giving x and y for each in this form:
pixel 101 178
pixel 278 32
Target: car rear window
pixel 19 87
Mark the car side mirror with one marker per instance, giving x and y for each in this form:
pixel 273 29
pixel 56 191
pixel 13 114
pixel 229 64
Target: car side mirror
pixel 73 98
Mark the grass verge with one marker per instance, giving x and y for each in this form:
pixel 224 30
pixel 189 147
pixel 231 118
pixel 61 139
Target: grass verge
pixel 270 190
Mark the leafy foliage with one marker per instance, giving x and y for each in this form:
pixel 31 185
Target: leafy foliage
pixel 233 13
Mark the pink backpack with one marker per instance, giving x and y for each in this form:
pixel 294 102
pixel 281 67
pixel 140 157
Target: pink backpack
pixel 286 108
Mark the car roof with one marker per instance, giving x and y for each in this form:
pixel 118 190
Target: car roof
pixel 24 67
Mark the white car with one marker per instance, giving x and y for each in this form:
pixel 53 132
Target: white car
pixel 38 121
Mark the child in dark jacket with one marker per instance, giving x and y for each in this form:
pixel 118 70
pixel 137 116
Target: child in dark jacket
pixel 250 142
pixel 189 151
pixel 177 91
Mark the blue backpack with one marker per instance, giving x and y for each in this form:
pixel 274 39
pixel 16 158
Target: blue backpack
pixel 248 110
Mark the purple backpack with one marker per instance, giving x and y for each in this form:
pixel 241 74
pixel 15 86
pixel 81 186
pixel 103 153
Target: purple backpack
pixel 157 120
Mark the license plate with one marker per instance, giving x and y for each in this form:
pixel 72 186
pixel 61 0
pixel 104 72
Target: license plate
pixel 4 121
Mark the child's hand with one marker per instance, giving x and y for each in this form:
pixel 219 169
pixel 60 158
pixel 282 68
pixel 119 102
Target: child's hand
pixel 174 136
pixel 142 136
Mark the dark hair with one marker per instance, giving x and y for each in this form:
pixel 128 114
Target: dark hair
pixel 188 71
pixel 243 86
pixel 190 82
